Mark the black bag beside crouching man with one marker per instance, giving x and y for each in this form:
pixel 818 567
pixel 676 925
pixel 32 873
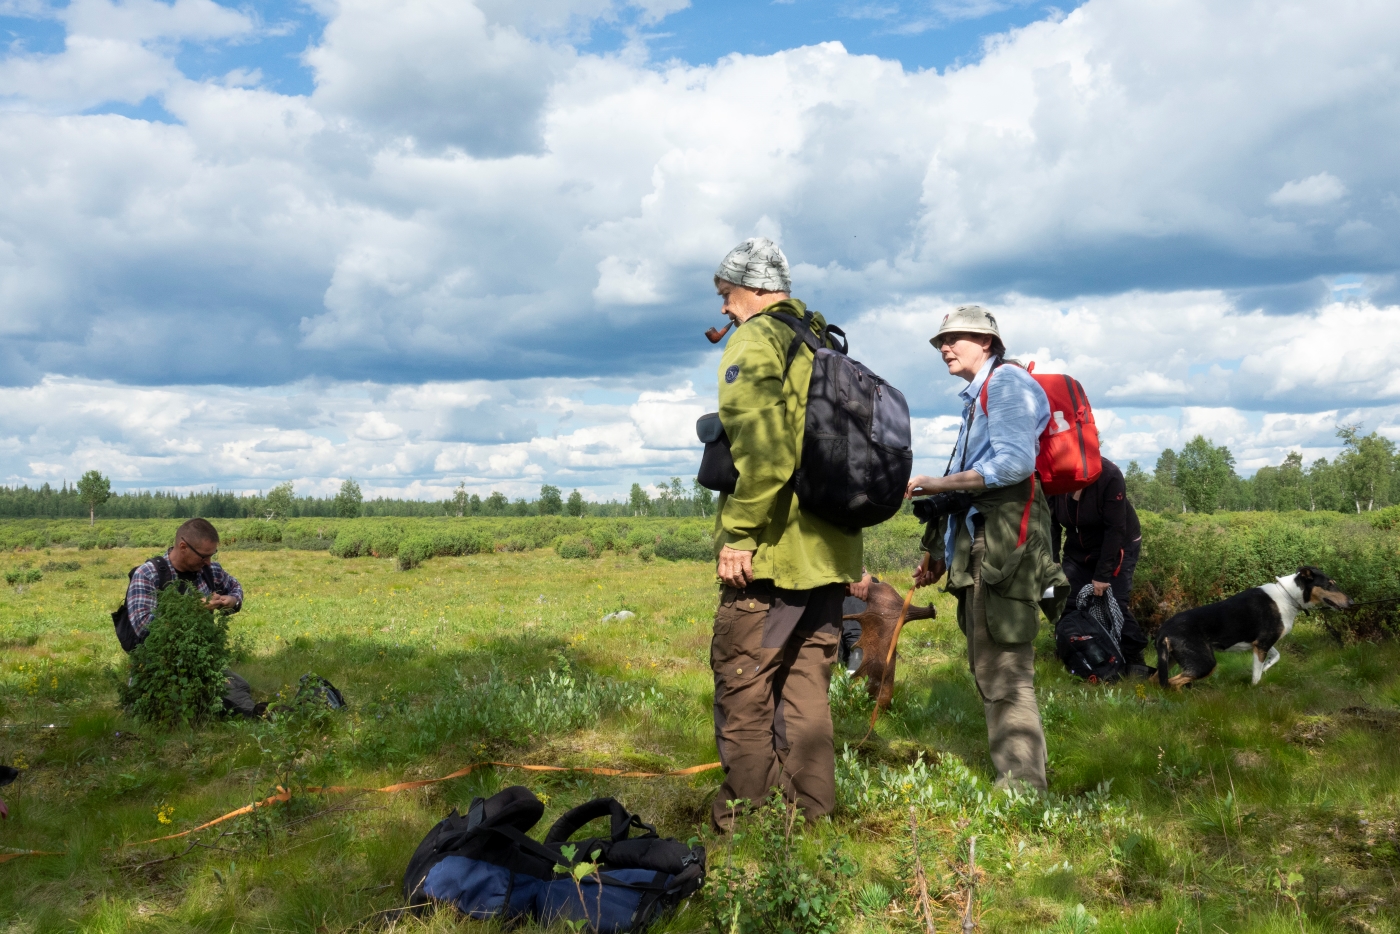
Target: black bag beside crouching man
pixel 191 562
pixel 1102 542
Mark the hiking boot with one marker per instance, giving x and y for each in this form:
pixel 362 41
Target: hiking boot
pixel 854 659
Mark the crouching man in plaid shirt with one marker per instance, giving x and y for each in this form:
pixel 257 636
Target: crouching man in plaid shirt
pixel 191 559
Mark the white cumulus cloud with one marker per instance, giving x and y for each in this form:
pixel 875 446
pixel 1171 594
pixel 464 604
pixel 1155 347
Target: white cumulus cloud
pixel 1313 191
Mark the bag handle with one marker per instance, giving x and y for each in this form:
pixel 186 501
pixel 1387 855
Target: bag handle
pixel 571 821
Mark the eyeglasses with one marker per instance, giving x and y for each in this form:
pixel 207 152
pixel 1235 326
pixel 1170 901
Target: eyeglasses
pixel 208 557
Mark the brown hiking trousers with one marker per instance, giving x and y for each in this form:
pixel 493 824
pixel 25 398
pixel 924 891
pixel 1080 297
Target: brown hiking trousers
pixel 1005 677
pixel 771 655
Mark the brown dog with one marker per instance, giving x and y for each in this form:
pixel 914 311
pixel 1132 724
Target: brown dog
pixel 877 632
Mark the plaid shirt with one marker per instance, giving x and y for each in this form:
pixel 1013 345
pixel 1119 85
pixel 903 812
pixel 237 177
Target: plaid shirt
pixel 141 592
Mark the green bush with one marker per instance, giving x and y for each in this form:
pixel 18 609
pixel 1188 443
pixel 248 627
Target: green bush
pixel 636 538
pixel 362 538
pixel 23 576
pixel 1386 519
pixel 576 546
pixel 421 544
pixel 784 889
pixel 685 544
pixel 256 530
pixel 1190 560
pixel 177 673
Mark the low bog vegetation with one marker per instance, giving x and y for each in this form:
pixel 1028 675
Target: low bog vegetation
pixel 1226 808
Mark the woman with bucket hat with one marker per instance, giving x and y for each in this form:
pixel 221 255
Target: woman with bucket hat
pixel 988 529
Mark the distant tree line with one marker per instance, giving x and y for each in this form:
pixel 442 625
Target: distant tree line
pixel 92 497
pixel 1201 478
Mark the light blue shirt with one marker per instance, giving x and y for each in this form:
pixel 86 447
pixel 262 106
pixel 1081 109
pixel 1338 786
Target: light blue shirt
pixel 1001 444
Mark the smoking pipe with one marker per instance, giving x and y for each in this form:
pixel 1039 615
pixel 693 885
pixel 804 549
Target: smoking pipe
pixel 716 336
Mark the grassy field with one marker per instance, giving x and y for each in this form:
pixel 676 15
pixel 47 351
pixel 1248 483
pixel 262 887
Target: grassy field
pixel 1227 808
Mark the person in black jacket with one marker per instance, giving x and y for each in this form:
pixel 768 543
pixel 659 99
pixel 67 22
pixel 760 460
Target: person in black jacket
pixel 1102 543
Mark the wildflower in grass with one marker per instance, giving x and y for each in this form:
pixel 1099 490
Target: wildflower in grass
pixel 165 813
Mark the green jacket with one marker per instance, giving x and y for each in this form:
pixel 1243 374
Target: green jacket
pixel 1015 573
pixel 764 416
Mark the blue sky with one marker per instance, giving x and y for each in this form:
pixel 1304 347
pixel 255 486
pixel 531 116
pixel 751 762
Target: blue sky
pixel 436 241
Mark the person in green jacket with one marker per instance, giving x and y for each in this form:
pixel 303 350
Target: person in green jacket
pixel 995 543
pixel 784 572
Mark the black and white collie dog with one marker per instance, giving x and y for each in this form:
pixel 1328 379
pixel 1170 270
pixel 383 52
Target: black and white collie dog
pixel 1255 619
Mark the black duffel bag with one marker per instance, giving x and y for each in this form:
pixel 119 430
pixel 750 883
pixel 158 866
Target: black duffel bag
pixel 486 866
pixel 1087 637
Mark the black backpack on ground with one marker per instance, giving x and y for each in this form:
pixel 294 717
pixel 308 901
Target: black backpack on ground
pixel 165 573
pixel 485 866
pixel 1087 638
pixel 857 450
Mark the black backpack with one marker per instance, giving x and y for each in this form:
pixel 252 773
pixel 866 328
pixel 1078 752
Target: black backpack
pixel 165 573
pixel 857 452
pixel 485 866
pixel 1087 638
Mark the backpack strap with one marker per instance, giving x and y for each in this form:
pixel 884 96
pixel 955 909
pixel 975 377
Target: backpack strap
pixel 802 334
pixel 572 820
pixel 982 395
pixel 165 571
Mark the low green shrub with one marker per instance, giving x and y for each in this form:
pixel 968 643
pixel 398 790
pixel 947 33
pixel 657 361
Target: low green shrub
pixel 686 543
pixel 576 546
pixel 638 537
pixel 1385 519
pixel 361 538
pixel 420 545
pixel 254 530
pixel 1190 560
pixel 18 576
pixel 785 886
pixel 177 673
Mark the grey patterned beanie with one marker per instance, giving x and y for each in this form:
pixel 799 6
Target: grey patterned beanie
pixel 757 263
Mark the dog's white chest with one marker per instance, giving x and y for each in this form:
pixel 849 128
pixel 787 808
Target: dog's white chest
pixel 1241 647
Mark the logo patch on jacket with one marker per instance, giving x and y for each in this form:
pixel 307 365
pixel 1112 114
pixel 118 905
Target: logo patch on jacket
pixel 731 374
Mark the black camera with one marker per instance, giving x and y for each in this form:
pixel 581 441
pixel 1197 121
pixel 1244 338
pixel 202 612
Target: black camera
pixel 948 503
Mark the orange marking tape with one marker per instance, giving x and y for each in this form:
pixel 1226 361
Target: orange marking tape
pixel 284 795
pixel 6 857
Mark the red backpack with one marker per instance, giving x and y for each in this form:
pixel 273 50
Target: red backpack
pixel 1069 446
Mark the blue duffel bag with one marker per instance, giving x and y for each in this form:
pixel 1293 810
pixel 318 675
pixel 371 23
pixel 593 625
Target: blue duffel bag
pixel 486 866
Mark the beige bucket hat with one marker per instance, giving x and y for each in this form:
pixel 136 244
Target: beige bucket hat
pixel 967 319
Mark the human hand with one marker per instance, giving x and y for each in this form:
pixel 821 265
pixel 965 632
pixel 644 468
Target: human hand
pixel 220 601
pixel 927 572
pixel 921 486
pixel 1100 588
pixel 860 589
pixel 735 567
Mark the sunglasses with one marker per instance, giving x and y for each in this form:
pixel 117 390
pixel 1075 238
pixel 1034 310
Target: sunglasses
pixel 208 557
